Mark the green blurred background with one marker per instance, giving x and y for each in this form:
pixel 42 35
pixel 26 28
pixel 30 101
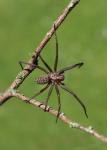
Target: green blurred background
pixel 82 37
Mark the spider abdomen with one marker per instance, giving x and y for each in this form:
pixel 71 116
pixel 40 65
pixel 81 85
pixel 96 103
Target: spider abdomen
pixel 42 80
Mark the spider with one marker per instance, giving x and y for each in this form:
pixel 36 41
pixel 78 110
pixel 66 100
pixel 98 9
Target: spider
pixel 55 79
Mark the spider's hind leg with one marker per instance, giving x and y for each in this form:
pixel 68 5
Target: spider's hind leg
pixel 64 87
pixel 49 94
pixel 41 91
pixel 59 103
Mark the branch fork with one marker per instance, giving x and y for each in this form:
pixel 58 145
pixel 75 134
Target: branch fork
pixel 12 90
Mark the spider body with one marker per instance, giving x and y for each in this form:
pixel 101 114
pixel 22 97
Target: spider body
pixel 54 78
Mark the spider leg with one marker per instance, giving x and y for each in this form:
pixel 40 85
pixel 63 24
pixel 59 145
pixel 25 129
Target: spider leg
pixel 59 103
pixel 56 58
pixel 33 65
pixel 41 91
pixel 49 94
pixel 20 63
pixel 63 86
pixel 47 66
pixel 71 67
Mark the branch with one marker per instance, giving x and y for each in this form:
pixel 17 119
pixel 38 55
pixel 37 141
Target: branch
pixel 62 117
pixel 5 96
pixel 11 92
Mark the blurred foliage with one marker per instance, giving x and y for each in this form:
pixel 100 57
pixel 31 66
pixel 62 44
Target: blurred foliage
pixel 82 37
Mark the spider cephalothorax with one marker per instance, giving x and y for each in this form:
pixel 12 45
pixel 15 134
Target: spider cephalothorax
pixel 54 78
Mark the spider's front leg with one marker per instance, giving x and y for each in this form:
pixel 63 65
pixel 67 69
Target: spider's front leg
pixel 32 65
pixel 71 67
pixel 56 57
pixel 46 65
pixel 26 63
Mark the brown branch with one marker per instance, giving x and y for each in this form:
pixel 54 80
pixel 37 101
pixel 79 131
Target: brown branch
pixel 5 96
pixel 62 117
pixel 11 92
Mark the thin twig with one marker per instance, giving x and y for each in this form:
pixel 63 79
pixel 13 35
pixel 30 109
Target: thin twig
pixel 62 117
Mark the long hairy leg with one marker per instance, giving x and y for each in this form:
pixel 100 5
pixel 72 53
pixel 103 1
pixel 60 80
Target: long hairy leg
pixel 59 103
pixel 44 62
pixel 71 67
pixel 41 91
pixel 33 65
pixel 49 94
pixel 56 58
pixel 63 86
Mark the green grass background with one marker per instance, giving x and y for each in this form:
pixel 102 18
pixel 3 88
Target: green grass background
pixel 82 37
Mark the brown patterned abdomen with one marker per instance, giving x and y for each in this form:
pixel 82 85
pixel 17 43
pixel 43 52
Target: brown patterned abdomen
pixel 42 80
